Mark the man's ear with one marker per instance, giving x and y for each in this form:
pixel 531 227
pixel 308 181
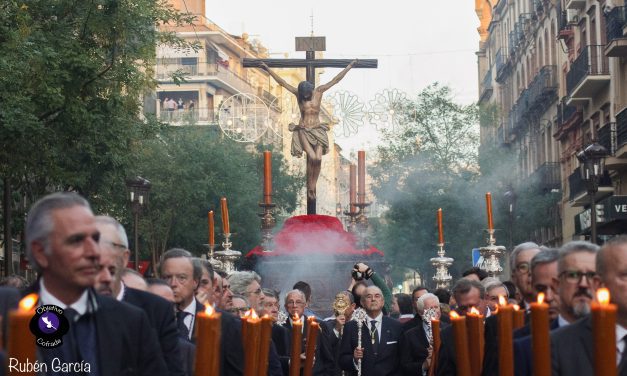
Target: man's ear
pixel 125 257
pixel 38 251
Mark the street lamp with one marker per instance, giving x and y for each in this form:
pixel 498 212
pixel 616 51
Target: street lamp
pixel 592 165
pixel 138 190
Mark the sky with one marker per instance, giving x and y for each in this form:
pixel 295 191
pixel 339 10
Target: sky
pixel 416 43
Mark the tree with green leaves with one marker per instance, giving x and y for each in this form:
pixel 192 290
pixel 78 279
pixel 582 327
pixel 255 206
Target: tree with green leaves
pixel 431 162
pixel 190 169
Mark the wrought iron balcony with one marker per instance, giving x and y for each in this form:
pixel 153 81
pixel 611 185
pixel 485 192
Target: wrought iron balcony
pixel 607 137
pixel 486 87
pixel 547 177
pixel 502 64
pixel 565 112
pixel 196 116
pixel 616 23
pixel 541 92
pixel 621 129
pixel 575 4
pixel 219 75
pixel 579 191
pixel 588 73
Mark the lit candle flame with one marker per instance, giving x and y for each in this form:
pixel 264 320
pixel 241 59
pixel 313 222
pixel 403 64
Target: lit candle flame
pixel 296 317
pixel 516 307
pixel 502 300
pixel 474 311
pixel 540 298
pixel 253 314
pixel 248 313
pixel 209 309
pixel 28 302
pixel 603 296
pixel 454 315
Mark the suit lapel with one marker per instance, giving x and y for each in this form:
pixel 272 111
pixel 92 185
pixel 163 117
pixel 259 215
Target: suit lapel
pixel 585 336
pixel 109 346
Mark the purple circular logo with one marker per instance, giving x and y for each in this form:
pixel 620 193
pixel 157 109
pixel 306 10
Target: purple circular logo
pixel 48 322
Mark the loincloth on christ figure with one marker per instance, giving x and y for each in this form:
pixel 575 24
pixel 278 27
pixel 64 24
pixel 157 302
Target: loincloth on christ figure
pixel 315 136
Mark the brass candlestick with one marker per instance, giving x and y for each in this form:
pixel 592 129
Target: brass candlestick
pixel 491 254
pixel 227 256
pixel 267 225
pixel 351 226
pixel 442 277
pixel 215 263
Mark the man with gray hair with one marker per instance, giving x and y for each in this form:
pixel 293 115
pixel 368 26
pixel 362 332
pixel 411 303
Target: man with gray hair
pixel 113 257
pixel 576 268
pixel 178 268
pixel 572 347
pixel 543 273
pixel 111 338
pixel 247 284
pixel 520 263
pixel 416 347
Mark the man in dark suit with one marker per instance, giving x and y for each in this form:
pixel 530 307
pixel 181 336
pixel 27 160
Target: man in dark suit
pixel 543 272
pixel 62 245
pixel 468 294
pixel 114 255
pixel 183 274
pixel 417 320
pixel 295 305
pixel 379 351
pixel 416 343
pixel 572 347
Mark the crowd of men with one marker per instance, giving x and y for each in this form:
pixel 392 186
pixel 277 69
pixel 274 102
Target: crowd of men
pixel 123 324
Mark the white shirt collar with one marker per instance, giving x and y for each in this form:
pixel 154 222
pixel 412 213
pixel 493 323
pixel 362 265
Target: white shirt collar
pixel 561 321
pixel 406 316
pixel 121 293
pixel 621 332
pixel 379 319
pixel 191 308
pixel 46 297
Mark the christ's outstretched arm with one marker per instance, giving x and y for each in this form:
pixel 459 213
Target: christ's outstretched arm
pixel 337 78
pixel 279 80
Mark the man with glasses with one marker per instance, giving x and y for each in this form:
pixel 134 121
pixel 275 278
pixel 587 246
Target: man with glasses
pixel 572 347
pixel 576 268
pixel 468 294
pixel 247 284
pixel 295 306
pixel 520 262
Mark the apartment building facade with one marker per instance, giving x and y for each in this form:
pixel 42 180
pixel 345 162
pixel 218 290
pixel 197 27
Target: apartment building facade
pixel 214 73
pixel 555 71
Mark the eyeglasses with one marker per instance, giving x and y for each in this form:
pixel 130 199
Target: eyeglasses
pixel 236 311
pixel 294 302
pixel 575 276
pixel 523 267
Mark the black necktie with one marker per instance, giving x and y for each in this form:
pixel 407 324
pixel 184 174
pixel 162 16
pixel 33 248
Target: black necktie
pixel 374 336
pixel 180 319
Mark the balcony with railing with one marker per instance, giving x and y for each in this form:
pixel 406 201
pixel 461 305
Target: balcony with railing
pixel 486 87
pixel 196 116
pixel 588 73
pixel 502 64
pixel 214 73
pixel 575 4
pixel 579 192
pixel 613 137
pixel 546 177
pixel 616 29
pixel 540 94
pixel 607 138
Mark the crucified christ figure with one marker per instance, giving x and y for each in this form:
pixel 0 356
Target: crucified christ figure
pixel 310 135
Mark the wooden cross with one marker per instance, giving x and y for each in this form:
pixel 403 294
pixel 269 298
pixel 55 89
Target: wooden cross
pixel 310 45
